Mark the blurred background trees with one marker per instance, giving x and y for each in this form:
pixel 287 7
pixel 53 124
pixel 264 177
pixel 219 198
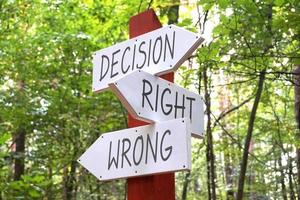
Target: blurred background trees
pixel 245 72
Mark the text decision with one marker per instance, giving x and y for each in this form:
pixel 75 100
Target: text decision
pixel 150 149
pixel 156 52
pixel 153 99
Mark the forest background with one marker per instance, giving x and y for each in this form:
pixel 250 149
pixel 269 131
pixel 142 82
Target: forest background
pixel 247 71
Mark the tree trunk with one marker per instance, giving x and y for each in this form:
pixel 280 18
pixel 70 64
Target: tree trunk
pixel 49 190
pixel 290 175
pixel 210 157
pixel 208 170
pixel 283 187
pixel 69 181
pixel 185 185
pixel 228 171
pixel 274 173
pixel 72 181
pixel 19 150
pixel 249 136
pixel 64 183
pixel 297 114
pixel 228 176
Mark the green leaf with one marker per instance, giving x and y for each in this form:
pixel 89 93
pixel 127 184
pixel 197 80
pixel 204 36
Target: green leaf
pixel 34 193
pixel 4 137
pixel 38 179
pixel 16 185
pixel 223 3
pixel 278 2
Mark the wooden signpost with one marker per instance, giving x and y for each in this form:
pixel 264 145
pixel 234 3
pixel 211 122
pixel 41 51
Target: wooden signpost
pixel 164 146
pixel 144 150
pixel 149 187
pixel 152 99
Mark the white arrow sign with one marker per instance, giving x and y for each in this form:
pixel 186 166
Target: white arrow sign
pixel 156 52
pixel 150 149
pixel 153 99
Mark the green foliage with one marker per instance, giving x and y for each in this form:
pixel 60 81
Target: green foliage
pixel 45 89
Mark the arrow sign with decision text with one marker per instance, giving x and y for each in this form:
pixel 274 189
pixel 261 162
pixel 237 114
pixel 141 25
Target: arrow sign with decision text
pixel 153 99
pixel 150 149
pixel 157 52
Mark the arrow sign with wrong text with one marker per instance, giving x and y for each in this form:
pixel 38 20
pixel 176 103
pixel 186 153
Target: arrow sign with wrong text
pixel 153 99
pixel 150 149
pixel 157 52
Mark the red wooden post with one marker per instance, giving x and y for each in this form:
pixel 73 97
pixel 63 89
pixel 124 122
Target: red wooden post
pixel 156 187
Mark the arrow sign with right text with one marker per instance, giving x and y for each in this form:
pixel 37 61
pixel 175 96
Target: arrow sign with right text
pixel 153 99
pixel 157 52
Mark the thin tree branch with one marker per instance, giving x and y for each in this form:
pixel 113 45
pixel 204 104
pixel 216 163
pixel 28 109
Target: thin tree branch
pixel 224 114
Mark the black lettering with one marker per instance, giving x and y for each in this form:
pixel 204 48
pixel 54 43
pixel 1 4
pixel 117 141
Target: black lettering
pixel 169 148
pixel 162 102
pixel 145 94
pixel 133 59
pixel 124 152
pixel 154 50
pixel 154 153
pixel 142 149
pixel 176 106
pixel 122 62
pixel 156 98
pixel 113 62
pixel 169 46
pixel 191 105
pixel 113 160
pixel 145 56
pixel 102 75
pixel 149 52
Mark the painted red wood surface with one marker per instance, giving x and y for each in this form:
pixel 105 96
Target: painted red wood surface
pixel 155 187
